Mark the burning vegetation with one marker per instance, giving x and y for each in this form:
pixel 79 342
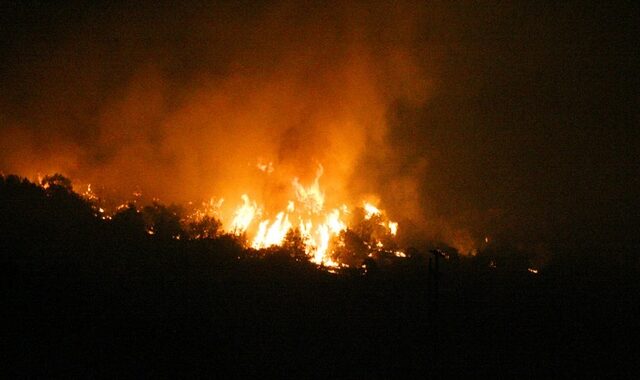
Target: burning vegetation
pixel 331 236
pixel 306 226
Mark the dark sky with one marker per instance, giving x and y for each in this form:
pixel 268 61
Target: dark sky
pixel 515 120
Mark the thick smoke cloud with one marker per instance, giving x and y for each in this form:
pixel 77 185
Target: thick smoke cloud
pixel 182 103
pixel 463 120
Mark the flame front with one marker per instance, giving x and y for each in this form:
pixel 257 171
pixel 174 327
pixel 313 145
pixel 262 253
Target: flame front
pixel 272 233
pixel 306 215
pixel 311 197
pixel 335 236
pixel 244 215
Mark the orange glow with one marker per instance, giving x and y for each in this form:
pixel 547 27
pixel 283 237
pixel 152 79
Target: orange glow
pixel 318 227
pixel 270 234
pixel 311 197
pixel 244 215
pixel 370 210
pixel 329 233
pixel 393 228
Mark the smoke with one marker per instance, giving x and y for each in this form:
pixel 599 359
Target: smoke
pixel 182 104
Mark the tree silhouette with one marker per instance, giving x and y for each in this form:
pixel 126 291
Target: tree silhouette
pixel 294 244
pixel 163 222
pixel 128 223
pixel 350 248
pixel 207 227
pixel 57 180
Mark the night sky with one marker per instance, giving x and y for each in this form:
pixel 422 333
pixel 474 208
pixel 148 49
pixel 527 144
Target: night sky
pixel 513 120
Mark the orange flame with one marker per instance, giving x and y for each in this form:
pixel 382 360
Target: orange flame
pixel 317 227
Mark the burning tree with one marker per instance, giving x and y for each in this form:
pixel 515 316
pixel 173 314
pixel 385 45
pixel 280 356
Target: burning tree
pixel 307 228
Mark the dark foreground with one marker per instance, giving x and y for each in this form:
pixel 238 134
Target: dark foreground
pixel 71 325
pixel 86 298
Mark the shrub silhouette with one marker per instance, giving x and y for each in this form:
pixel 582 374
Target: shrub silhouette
pixel 294 244
pixel 163 222
pixel 207 227
pixel 128 223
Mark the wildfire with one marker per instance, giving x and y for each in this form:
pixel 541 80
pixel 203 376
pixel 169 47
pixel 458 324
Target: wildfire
pixel 393 228
pixel 244 215
pixel 370 210
pixel 318 229
pixel 272 233
pixel 328 236
pixel 90 195
pixel 311 197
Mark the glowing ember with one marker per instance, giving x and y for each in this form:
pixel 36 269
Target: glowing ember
pixel 400 254
pixel 89 194
pixel 265 167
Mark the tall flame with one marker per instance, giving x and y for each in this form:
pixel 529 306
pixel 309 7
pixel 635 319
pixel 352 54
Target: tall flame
pixel 317 228
pixel 272 233
pixel 311 197
pixel 244 215
pixel 322 232
pixel 370 210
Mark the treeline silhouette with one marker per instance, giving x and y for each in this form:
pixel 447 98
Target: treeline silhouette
pixel 48 219
pixel 45 224
pixel 148 293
